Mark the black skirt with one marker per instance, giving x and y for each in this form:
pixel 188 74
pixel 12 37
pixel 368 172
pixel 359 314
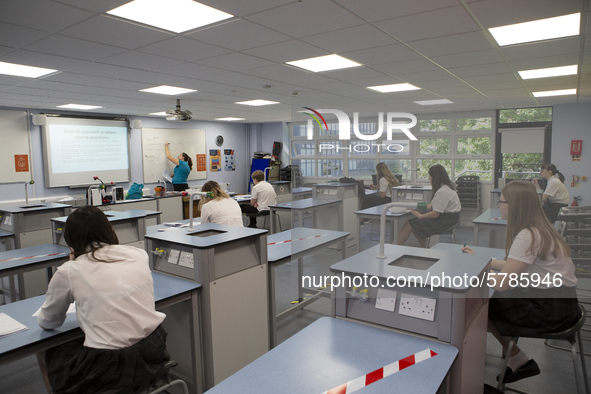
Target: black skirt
pixel 552 209
pixel 532 311
pixel 73 368
pixel 424 228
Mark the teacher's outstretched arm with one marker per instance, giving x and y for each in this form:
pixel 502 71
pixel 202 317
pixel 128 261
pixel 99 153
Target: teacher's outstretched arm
pixel 169 156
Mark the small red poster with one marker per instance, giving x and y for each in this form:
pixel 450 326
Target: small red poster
pixel 21 163
pixel 576 147
pixel 201 163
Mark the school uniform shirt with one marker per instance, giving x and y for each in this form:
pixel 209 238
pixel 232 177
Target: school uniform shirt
pixel 556 191
pixel 384 187
pixel 562 265
pixel 114 300
pixel 222 211
pixel 181 172
pixel 446 200
pixel 265 195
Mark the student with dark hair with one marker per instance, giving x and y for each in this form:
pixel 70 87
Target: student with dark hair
pixel 220 208
pixel 556 195
pixel 444 209
pixel 184 164
pixel 535 250
pixel 385 182
pixel 112 287
pixel 262 195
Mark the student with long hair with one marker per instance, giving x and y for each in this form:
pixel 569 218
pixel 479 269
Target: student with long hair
pixel 444 210
pixel 534 251
pixel 183 164
pixel 220 208
pixel 385 182
pixel 556 195
pixel 114 294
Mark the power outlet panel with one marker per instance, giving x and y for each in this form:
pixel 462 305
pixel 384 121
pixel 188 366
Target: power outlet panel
pixel 419 307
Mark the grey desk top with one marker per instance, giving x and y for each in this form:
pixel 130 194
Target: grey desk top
pixel 34 207
pixel 302 240
pixel 412 187
pixel 220 233
pixel 491 216
pixel 165 287
pixel 115 216
pixel 32 255
pixel 165 227
pixel 331 352
pixel 279 182
pixel 301 190
pixel 446 264
pixel 336 184
pixel 377 211
pixel 306 203
pixel 145 212
pixel 498 254
pixel 5 234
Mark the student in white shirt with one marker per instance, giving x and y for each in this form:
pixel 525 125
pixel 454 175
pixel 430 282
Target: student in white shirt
pixel 556 195
pixel 220 208
pixel 535 253
pixel 386 181
pixel 262 195
pixel 444 209
pixel 112 287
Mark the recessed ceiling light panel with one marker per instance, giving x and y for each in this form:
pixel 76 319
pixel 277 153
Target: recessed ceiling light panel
pixel 158 113
pixel 549 72
pixel 168 90
pixel 543 29
pixel 79 106
pixel 324 63
pixel 398 87
pixel 173 15
pixel 257 103
pixel 434 102
pixel 19 70
pixel 229 119
pixel 549 93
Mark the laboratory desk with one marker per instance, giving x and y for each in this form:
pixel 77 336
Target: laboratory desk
pixel 15 263
pixel 301 193
pixel 6 241
pixel 491 220
pixel 375 213
pixel 349 194
pixel 169 292
pixel 409 193
pixel 290 245
pixel 497 254
pixel 495 194
pixel 325 212
pixel 170 226
pixel 407 290
pixel 130 226
pixel 331 352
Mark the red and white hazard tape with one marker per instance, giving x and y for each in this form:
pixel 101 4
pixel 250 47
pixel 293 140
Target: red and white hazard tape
pixel 34 257
pixel 381 373
pixel 297 239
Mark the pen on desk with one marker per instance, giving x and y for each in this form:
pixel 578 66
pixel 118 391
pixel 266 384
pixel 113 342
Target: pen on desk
pixel 463 248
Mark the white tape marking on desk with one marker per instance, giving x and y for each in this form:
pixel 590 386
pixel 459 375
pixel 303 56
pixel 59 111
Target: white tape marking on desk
pixel 34 257
pixel 297 239
pixel 390 369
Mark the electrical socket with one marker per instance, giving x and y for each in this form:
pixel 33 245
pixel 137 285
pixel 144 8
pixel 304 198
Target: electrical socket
pixel 419 307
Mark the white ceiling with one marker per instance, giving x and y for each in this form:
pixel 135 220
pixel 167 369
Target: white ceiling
pixel 442 46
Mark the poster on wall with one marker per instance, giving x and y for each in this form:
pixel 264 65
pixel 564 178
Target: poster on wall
pixel 229 164
pixel 215 160
pixel 576 147
pixel 576 181
pixel 201 162
pixel 21 163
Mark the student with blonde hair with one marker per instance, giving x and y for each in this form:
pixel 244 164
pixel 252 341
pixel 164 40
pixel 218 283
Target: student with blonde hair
pixel 534 251
pixel 220 208
pixel 385 182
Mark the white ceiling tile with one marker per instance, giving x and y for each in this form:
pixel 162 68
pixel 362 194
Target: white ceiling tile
pixel 546 61
pixel 377 10
pixel 397 68
pixel 493 79
pixel 41 15
pixel 381 55
pixel 141 61
pixel 468 58
pixel 242 8
pixel 473 71
pixel 192 70
pixel 288 75
pixel 184 49
pixel 419 77
pixel 80 79
pixel 459 43
pixel 18 36
pixel 74 48
pixel 111 31
pixel 559 46
pixel 351 39
pixel 93 5
pixel 353 74
pixel 44 60
pixel 300 19
pixel 287 51
pixel 5 50
pixel 235 62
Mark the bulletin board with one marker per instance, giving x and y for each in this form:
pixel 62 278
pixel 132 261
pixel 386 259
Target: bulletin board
pixel 192 142
pixel 15 160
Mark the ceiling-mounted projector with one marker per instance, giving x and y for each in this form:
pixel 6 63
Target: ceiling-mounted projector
pixel 178 115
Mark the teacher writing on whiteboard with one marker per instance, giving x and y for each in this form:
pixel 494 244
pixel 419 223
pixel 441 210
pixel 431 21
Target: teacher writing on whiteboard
pixel 184 164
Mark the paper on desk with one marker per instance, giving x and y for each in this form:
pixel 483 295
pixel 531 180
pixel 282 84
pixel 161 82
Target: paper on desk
pixel 9 326
pixel 71 309
pixel 166 175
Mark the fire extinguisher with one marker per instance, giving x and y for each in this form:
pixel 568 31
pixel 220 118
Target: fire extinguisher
pixel 576 201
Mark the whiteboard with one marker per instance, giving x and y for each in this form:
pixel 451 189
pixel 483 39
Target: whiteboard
pixel 14 128
pixel 192 142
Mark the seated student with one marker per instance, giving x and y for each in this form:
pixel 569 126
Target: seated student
pixel 114 294
pixel 385 182
pixel 445 209
pixel 220 208
pixel 556 195
pixel 184 164
pixel 262 195
pixel 534 249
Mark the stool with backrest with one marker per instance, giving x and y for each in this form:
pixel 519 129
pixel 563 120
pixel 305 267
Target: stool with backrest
pixel 145 385
pixel 263 214
pixel 571 334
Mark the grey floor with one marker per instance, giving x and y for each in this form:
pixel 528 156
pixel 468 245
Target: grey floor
pixel 556 365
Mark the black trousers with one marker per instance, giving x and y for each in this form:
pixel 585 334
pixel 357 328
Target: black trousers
pixel 247 208
pixel 180 187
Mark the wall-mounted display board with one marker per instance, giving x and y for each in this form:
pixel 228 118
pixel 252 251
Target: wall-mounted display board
pixel 14 159
pixel 192 142
pixel 77 149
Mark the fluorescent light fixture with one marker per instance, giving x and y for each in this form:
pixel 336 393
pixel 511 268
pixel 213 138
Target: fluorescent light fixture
pixel 434 102
pixel 324 63
pixel 79 106
pixel 549 72
pixel 168 90
pixel 158 113
pixel 229 119
pixel 257 103
pixel 19 70
pixel 542 29
pixel 548 93
pixel 398 87
pixel 174 15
